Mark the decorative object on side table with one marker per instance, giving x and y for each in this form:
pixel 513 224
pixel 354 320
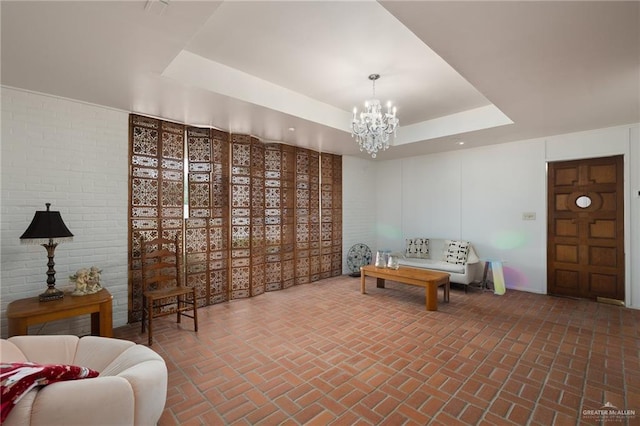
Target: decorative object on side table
pixel 382 258
pixel 48 230
pixel 392 262
pixel 359 255
pixel 87 281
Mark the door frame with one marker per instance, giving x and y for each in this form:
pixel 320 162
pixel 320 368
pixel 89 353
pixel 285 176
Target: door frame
pixel 626 188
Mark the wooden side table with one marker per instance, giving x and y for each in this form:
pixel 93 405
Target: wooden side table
pixel 25 312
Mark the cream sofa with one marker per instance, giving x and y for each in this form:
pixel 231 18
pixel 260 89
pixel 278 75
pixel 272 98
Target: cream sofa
pixel 443 255
pixel 130 390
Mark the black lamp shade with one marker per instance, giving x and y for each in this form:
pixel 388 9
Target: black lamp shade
pixel 47 225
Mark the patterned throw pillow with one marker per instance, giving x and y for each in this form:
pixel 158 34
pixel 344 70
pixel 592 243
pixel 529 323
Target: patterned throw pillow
pixel 457 252
pixel 417 248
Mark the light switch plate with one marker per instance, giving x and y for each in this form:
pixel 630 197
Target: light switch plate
pixel 529 216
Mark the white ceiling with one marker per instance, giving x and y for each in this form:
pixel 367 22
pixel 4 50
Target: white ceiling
pixel 478 72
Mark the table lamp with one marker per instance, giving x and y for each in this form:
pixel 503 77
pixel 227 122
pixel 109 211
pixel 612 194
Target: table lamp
pixel 48 230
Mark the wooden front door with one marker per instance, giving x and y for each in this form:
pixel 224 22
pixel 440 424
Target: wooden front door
pixel 585 231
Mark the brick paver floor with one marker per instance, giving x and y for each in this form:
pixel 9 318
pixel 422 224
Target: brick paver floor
pixel 323 354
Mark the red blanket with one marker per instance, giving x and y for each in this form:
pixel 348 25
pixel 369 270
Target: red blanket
pixel 18 378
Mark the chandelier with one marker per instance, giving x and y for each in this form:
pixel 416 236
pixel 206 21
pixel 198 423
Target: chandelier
pixel 372 127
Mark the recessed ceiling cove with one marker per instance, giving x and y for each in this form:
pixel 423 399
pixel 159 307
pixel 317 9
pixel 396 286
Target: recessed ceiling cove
pixel 311 60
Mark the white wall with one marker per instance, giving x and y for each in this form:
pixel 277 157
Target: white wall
pixel 477 195
pixel 500 183
pixel 481 194
pixel 431 196
pixel 388 205
pixel 75 156
pixel 358 205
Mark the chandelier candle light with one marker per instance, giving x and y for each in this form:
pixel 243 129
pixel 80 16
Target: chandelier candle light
pixel 373 127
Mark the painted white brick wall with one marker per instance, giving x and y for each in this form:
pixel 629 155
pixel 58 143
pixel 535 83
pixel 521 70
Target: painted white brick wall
pixel 358 205
pixel 75 156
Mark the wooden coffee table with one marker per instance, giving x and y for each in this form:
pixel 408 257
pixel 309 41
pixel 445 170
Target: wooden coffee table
pixel 426 278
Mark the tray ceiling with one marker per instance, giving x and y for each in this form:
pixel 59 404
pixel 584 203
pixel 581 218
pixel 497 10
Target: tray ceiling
pixel 478 72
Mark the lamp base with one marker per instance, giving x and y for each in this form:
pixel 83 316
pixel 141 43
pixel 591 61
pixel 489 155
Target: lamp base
pixel 50 294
